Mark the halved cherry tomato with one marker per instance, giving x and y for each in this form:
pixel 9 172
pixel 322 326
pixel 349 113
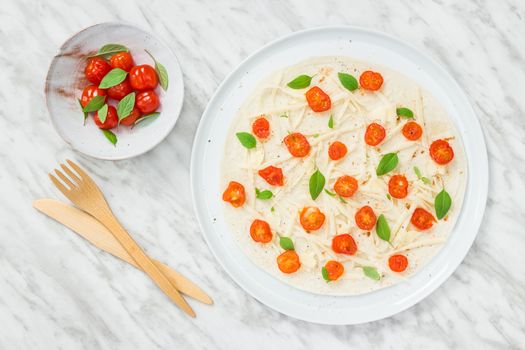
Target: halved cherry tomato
pixel 96 69
pixel 297 144
pixel 111 119
pixel 422 219
pixel 337 150
pixel 122 60
pixel 412 131
pixel 131 118
pixel 89 92
pixel 398 263
pixel 147 101
pixel 260 231
pixel 288 262
pixel 346 186
pixel 311 218
pixel 374 134
pixel 234 194
pixel 371 80
pixel 441 152
pixel 344 244
pixel 119 91
pixel 261 127
pixel 398 186
pixel 272 175
pixel 365 218
pixel 143 77
pixel 335 269
pixel 318 100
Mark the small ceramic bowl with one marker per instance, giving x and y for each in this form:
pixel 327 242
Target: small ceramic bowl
pixel 65 82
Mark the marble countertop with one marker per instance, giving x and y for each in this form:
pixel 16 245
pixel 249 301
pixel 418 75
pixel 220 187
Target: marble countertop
pixel 57 291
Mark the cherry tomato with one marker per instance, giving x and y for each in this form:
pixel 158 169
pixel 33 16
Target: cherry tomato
pixel 398 263
pixel 143 77
pixel 374 134
pixel 111 119
pixel 96 69
pixel 288 262
pixel 318 100
pixel 131 118
pixel 260 231
pixel 365 218
pixel 398 186
pixel 119 91
pixel 147 101
pixel 346 186
pixel 122 60
pixel 234 194
pixel 297 144
pixel 422 219
pixel 412 131
pixel 441 152
pixel 311 218
pixel 337 150
pixel 261 127
pixel 272 175
pixel 89 92
pixel 371 80
pixel 335 269
pixel 344 244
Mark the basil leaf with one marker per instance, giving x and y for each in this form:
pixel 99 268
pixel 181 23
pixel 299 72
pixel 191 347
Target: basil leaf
pixel 324 272
pixel 162 73
pixel 266 194
pixel 125 106
pixel 331 194
pixel 286 243
pixel 382 228
pixel 114 77
pixel 371 272
pixel 85 113
pixel 418 172
pixel 300 82
pixel 110 136
pixel 103 113
pixel 342 200
pixel 95 104
pixel 348 81
pixel 317 182
pixel 404 112
pixel 110 49
pixel 246 139
pixel 147 116
pixel 331 122
pixel 442 204
pixel 420 177
pixel 388 163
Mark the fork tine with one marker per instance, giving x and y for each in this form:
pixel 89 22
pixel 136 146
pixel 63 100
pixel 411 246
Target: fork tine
pixel 78 169
pixel 59 185
pixel 70 173
pixel 65 179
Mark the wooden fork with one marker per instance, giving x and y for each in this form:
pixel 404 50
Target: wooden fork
pixel 86 195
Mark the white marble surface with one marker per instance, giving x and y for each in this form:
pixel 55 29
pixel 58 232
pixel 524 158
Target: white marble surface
pixel 57 291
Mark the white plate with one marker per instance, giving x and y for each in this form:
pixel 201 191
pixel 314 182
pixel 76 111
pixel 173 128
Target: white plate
pixel 65 82
pixel 207 154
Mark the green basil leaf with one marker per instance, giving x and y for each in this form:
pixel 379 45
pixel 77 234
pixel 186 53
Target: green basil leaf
pixel 286 243
pixel 382 228
pixel 95 104
pixel 125 106
pixel 103 113
pixel 418 172
pixel 266 194
pixel 110 49
pixel 114 77
pixel 146 117
pixel 162 73
pixel 404 112
pixel 85 113
pixel 388 163
pixel 331 122
pixel 110 136
pixel 300 82
pixel 324 272
pixel 348 81
pixel 442 204
pixel 246 139
pixel 331 194
pixel 342 200
pixel 426 180
pixel 371 272
pixel 317 182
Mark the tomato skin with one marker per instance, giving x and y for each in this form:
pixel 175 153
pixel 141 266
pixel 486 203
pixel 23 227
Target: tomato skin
pixel 261 127
pixel 96 69
pixel 311 218
pixel 422 219
pixel 272 175
pixel 337 150
pixel 119 91
pixel 233 194
pixel 143 77
pixel 260 231
pixel 398 186
pixel 412 131
pixel 346 186
pixel 131 118
pixel 318 100
pixel 371 80
pixel 344 244
pixel 147 101
pixel 365 218
pixel 288 261
pixel 335 269
pixel 441 152
pixel 111 119
pixel 297 144
pixel 89 92
pixel 122 60
pixel 374 134
pixel 398 263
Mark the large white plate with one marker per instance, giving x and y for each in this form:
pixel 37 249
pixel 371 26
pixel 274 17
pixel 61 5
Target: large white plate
pixel 207 154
